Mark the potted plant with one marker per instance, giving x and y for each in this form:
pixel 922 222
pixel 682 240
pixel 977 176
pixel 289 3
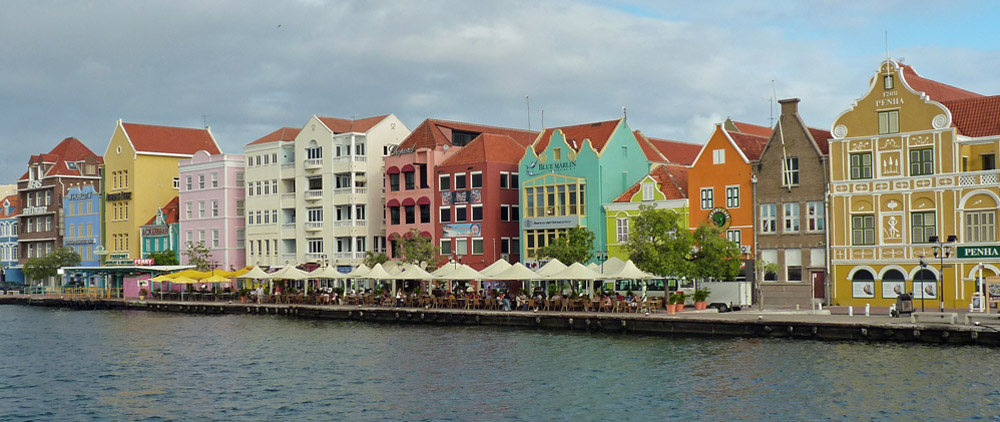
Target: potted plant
pixel 143 293
pixel 676 302
pixel 243 294
pixel 700 296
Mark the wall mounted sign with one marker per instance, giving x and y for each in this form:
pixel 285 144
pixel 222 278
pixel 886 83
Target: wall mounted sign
pixel 719 217
pixel 551 223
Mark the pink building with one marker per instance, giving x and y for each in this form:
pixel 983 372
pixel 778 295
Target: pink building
pixel 212 207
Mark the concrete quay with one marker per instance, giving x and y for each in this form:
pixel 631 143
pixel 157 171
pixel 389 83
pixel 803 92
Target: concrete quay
pixel 805 325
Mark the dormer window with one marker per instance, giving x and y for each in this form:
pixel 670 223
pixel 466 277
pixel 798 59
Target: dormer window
pixel 647 191
pixel 71 165
pixel 887 82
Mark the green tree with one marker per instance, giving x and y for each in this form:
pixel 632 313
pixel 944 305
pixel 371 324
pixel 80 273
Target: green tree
pixel 48 266
pixel 198 255
pixel 659 242
pixel 167 257
pixel 417 249
pixel 372 258
pixel 574 247
pixel 715 256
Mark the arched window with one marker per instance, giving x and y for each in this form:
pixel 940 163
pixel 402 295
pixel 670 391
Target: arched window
pixel 925 285
pixel 893 284
pixel 863 284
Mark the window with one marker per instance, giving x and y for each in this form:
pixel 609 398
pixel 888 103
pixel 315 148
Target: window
pixel 177 183
pixel 257 160
pixel 394 215
pixel 622 230
pixel 504 180
pixel 215 179
pixel 719 156
pixel 980 226
pixel 359 212
pixel 409 210
pixel 187 210
pixel 861 166
pixel 768 218
pixel 734 236
pixel 201 181
pixel 461 214
pixel 989 162
pixel 647 191
pixel 445 214
pixel 477 246
pixel 888 122
pixel 477 213
pixel 394 182
pixel 515 212
pixel 814 216
pixel 240 207
pixel 922 226
pixel 477 179
pixel 557 154
pixel 425 213
pixel 791 217
pixel 314 214
pixel 505 213
pixel 444 182
pixel 315 245
pixel 409 179
pixel 504 245
pixel 459 181
pixel 707 198
pixel 555 200
pixel 445 247
pixel 732 196
pixel 862 229
pixel 314 153
pixel 461 246
pixel 513 181
pixel 215 238
pixel 215 208
pixel 887 82
pixel 921 162
pixel 790 172
pixel 201 209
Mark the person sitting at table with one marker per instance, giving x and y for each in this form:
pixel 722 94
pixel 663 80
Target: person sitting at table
pixel 607 301
pixel 506 301
pixel 522 301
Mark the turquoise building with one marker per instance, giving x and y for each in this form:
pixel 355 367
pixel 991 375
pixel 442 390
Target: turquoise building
pixel 569 173
pixel 162 232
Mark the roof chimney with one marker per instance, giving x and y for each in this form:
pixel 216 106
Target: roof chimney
pixel 789 106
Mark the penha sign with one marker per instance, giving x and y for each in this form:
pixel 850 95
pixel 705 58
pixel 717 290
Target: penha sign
pixel 973 252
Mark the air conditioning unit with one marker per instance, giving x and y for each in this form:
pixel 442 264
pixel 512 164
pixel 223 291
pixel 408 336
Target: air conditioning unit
pixel 745 249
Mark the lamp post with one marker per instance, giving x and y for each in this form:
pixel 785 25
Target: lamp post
pixel 942 250
pixel 923 266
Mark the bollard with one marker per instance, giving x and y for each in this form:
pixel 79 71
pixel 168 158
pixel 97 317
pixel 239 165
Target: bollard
pixel 971 308
pixel 892 310
pixel 820 305
pixel 868 309
pixel 796 306
pixel 850 311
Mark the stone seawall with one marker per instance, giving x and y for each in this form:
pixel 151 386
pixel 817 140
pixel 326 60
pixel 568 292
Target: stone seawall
pixel 735 324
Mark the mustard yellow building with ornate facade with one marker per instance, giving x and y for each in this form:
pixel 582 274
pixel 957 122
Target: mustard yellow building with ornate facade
pixel 914 188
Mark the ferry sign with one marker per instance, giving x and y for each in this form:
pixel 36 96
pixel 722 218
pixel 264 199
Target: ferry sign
pixel 978 251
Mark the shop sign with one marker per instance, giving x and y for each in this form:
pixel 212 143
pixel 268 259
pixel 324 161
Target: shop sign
pixel 462 230
pixel 154 231
pixel 551 223
pixel 395 150
pixel 34 210
pixel 978 251
pixel 80 196
pixel 89 241
pixel 719 217
pixel 142 261
pixel 120 196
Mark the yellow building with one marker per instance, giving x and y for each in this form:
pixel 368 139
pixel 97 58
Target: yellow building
pixel 140 171
pixel 913 178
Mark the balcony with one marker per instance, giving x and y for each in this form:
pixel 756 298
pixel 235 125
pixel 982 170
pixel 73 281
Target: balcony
pixel 288 231
pixel 288 200
pixel 351 223
pixel 313 164
pixel 315 257
pixel 314 226
pixel 314 195
pixel 288 258
pixel 350 195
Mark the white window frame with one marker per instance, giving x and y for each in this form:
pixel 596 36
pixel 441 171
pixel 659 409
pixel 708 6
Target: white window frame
pixel 477 241
pixel 768 218
pixel 791 217
pixel 732 197
pixel 707 198
pixel 647 191
pixel 621 229
pixel 719 156
pixel 815 217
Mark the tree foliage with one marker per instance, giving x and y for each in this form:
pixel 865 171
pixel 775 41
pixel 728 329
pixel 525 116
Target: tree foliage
pixel 372 258
pixel 198 255
pixel 715 256
pixel 417 249
pixel 659 242
pixel 574 247
pixel 48 266
pixel 167 257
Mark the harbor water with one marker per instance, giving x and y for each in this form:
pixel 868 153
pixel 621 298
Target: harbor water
pixel 132 365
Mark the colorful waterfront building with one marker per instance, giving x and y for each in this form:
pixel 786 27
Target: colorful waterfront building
pixel 10 270
pixel 790 196
pixel 162 231
pixel 665 187
pixel 914 192
pixel 414 190
pixel 338 209
pixel 720 186
pixel 41 191
pixel 270 188
pixel 82 210
pixel 212 198
pixel 141 175
pixel 569 173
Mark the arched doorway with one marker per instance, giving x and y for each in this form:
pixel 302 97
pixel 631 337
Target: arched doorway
pixel 893 284
pixel 863 284
pixel 925 284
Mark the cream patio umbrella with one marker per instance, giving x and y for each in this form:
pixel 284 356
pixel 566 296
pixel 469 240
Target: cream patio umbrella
pixel 358 273
pixel 495 268
pixel 255 273
pixel 462 273
pixel 550 268
pixel 576 271
pixel 629 271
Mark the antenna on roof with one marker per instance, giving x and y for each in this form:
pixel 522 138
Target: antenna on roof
pixel 543 118
pixel 204 120
pixel 353 116
pixel 527 104
pixel 786 173
pixel 624 113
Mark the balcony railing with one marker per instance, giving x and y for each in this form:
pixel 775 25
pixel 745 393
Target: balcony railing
pixel 314 226
pixel 313 163
pixel 315 257
pixel 350 223
pixel 314 194
pixel 349 191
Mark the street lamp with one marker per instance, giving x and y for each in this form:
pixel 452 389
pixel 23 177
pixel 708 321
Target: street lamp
pixel 923 266
pixel 942 250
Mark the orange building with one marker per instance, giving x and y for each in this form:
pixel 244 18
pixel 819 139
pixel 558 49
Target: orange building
pixel 720 189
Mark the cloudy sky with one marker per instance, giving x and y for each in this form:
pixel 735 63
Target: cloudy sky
pixel 248 67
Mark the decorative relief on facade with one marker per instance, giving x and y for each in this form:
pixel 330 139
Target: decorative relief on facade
pixel 891 229
pixel 922 183
pixel 890 164
pixel 939 121
pixel 894 253
pixel 881 186
pixel 922 204
pixel 862 145
pixel 862 254
pixel 861 187
pixel 945 181
pixel 890 143
pixel 840 131
pixel 921 140
pixel 892 205
pixel 542 159
pixel 842 188
pixel 902 184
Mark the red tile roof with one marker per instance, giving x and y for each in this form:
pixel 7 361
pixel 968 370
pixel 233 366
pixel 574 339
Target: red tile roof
pixel 648 149
pixel 14 203
pixel 171 212
pixel 672 179
pixel 282 134
pixel 976 117
pixel 752 129
pixel 751 145
pixel 677 152
pixel 433 133
pixel 170 140
pixel 488 147
pixel 338 125
pixel 822 138
pixel 937 91
pixel 598 132
pixel 70 150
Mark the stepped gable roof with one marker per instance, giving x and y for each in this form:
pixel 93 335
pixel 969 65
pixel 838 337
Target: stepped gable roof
pixel 70 150
pixel 672 179
pixel 171 212
pixel 170 139
pixel 433 133
pixel 937 91
pixel 975 117
pixel 751 129
pixel 751 145
pixel 282 134
pixel 488 147
pixel 338 125
pixel 14 205
pixel 822 138
pixel 676 151
pixel 598 132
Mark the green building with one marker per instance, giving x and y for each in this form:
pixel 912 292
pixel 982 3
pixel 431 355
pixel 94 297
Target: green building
pixel 665 187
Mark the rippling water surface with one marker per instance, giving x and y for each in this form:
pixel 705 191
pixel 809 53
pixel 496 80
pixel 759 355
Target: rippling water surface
pixel 110 365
